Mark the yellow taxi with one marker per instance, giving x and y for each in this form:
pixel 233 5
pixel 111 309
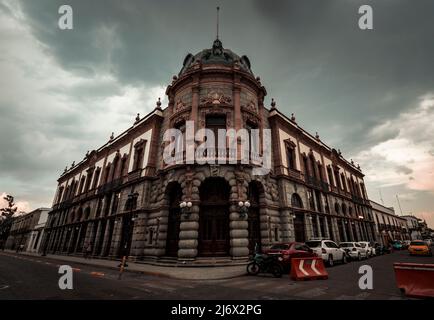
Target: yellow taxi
pixel 419 248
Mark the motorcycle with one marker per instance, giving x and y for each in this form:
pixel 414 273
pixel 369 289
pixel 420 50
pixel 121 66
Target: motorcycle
pixel 263 263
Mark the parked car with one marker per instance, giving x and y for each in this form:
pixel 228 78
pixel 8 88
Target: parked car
pixel 290 250
pixel 370 251
pixel 428 241
pixel 328 250
pixel 378 249
pixel 419 248
pixel 354 250
pixel 397 245
pixel 405 244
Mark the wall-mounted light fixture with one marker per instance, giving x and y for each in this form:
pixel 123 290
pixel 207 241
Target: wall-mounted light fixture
pixel 185 207
pixel 243 208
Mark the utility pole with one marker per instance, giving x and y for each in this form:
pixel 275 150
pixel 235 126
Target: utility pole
pixel 399 204
pixel 381 196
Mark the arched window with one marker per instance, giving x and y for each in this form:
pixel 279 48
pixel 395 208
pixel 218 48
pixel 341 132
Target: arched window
pixel 337 210
pixel 344 209
pixel 296 201
pixel 87 213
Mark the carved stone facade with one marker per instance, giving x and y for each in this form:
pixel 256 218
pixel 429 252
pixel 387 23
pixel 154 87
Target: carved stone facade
pixel 124 199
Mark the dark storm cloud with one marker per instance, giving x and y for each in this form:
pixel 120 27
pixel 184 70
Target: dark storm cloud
pixel 403 169
pixel 310 55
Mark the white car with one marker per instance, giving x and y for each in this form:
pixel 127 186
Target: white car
pixel 328 250
pixel 367 245
pixel 354 250
pixel 428 242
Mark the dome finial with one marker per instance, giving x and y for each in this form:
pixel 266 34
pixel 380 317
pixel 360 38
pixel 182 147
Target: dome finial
pixel 273 103
pixel 159 103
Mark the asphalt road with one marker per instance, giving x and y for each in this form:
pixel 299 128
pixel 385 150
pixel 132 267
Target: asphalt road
pixel 32 277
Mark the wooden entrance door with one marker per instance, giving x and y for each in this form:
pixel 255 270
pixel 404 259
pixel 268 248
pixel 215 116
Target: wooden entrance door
pixel 299 227
pixel 214 218
pixel 214 231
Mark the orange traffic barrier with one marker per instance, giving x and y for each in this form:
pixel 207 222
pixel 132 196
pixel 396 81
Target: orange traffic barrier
pixel 415 279
pixel 308 269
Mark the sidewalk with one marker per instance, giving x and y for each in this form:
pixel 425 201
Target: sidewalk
pixel 185 273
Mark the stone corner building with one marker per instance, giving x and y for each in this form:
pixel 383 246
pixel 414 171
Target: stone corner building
pixel 123 199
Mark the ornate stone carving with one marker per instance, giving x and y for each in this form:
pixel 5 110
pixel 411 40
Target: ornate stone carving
pixel 215 97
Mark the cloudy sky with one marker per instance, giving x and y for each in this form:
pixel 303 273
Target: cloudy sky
pixel 369 93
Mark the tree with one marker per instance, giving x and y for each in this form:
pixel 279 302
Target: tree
pixel 11 208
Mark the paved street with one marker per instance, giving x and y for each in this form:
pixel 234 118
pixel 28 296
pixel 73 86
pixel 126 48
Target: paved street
pixel 34 277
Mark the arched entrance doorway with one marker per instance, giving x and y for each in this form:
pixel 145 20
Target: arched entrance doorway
pixel 254 226
pixel 299 227
pixel 174 196
pixel 214 218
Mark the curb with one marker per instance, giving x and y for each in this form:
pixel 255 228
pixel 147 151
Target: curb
pixel 149 273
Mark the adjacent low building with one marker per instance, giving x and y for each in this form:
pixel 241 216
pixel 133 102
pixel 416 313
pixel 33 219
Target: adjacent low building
pixel 414 228
pixel 26 231
pixel 389 226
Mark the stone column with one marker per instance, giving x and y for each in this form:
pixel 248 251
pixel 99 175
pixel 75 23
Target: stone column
pixel 188 235
pixel 238 233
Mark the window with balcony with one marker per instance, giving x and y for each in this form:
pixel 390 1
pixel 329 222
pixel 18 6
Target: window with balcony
pixel 310 199
pixel 96 177
pixel 290 155
pixel 305 166
pixel 214 123
pixel 344 186
pixel 330 175
pixel 80 190
pixel 139 150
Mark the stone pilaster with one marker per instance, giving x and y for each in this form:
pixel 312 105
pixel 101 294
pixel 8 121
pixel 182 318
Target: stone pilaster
pixel 326 228
pixel 286 222
pixel 318 224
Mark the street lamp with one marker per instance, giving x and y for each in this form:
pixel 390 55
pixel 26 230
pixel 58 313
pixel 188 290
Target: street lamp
pixel 243 208
pixel 185 207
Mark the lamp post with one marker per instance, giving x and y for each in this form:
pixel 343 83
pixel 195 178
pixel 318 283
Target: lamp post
pixel 243 208
pixel 132 198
